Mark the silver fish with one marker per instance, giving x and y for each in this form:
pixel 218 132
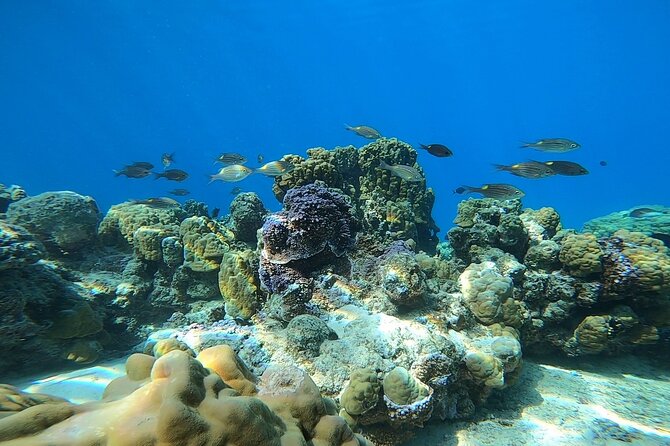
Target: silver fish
pixel 276 168
pixel 232 173
pixel 529 169
pixel 555 145
pixel 364 131
pixel 229 158
pixel 407 173
pixel 157 202
pixel 494 190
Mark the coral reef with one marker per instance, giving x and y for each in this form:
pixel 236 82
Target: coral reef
pixel 63 221
pixel 184 400
pixel 315 226
pixel 388 208
pixel 656 220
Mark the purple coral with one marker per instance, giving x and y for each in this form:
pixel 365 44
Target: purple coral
pixel 313 218
pixel 316 224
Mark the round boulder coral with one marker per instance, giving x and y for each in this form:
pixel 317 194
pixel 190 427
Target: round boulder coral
pixel 63 221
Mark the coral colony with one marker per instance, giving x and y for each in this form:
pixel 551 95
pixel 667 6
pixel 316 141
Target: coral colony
pixel 339 320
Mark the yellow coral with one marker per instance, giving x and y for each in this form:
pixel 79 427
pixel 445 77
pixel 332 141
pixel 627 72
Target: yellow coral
pixel 362 393
pixel 402 388
pixel 239 284
pixel 581 254
pixel 651 259
pixel 205 242
pixel 592 334
pixel 485 369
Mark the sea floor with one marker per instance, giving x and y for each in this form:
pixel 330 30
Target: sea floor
pixel 594 401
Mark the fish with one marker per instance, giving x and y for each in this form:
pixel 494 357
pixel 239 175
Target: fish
pixel 439 150
pixel 566 168
pixel 364 131
pixel 644 212
pixel 407 173
pixel 158 202
pixel 172 174
pixel 276 168
pixel 498 191
pixel 556 145
pixel 260 158
pixel 229 158
pixel 528 169
pixel 179 192
pixel 167 159
pixel 142 164
pixel 215 212
pixel 603 163
pixel 133 172
pixel 236 190
pixel 232 173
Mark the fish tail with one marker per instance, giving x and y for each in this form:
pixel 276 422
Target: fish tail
pixel 158 175
pixel 423 146
pixel 527 144
pixel 500 167
pixel 117 173
pixel 470 189
pixel 348 127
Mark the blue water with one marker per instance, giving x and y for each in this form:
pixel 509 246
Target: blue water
pixel 86 87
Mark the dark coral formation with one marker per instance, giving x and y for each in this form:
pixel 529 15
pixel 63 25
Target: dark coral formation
pixel 315 225
pixel 388 208
pixel 63 221
pixel 246 216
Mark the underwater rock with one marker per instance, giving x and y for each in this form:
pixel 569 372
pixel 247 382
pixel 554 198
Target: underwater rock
pixel 186 394
pixel 246 215
pixel 306 333
pixel 402 279
pixel 64 221
pixel 18 247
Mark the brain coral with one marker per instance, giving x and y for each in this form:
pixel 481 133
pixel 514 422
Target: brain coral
pixel 581 254
pixel 488 294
